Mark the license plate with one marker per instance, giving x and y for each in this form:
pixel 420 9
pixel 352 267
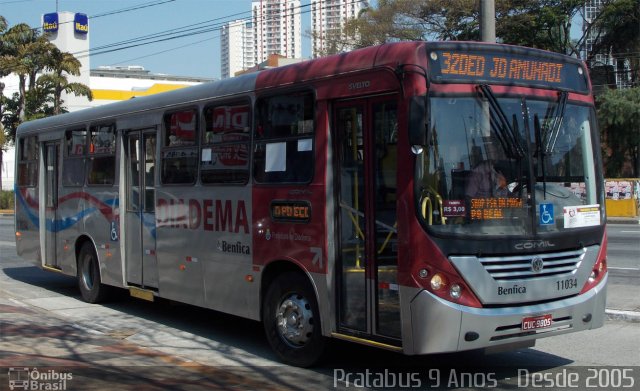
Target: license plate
pixel 537 322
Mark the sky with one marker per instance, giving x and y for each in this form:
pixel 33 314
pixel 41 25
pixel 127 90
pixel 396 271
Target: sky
pixel 196 55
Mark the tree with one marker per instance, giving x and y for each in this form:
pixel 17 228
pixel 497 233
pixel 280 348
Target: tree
pixel 3 73
pixel 24 53
pixel 618 34
pixel 543 24
pixel 619 116
pixel 60 63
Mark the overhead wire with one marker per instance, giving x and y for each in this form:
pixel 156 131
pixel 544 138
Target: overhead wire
pixel 183 31
pixel 192 29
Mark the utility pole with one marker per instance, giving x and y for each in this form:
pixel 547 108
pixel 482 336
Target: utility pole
pixel 488 21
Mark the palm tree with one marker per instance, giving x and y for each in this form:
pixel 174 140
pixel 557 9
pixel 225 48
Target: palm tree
pixel 60 63
pixel 24 52
pixel 3 73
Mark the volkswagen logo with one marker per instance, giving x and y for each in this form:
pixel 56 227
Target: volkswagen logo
pixel 537 265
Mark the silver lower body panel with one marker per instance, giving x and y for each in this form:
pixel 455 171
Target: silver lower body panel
pixel 439 326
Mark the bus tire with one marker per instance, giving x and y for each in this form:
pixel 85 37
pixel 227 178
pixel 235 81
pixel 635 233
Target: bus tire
pixel 291 320
pixel 89 282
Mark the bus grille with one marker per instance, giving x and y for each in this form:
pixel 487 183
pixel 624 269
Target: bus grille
pixel 519 267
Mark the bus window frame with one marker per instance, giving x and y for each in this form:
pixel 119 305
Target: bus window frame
pixel 164 138
pixel 27 162
pixel 89 155
pixel 236 101
pixel 70 159
pixel 255 141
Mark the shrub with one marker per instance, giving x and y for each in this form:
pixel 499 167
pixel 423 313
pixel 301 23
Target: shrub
pixel 6 199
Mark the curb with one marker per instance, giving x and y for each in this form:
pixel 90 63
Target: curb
pixel 627 316
pixel 622 220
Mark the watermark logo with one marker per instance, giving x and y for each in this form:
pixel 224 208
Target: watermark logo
pixel 34 379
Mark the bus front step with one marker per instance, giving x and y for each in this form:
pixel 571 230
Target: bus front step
pixel 141 293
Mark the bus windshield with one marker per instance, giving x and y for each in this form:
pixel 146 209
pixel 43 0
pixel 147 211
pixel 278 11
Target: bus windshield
pixel 508 166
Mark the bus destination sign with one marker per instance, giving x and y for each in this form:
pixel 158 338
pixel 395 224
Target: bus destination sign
pixel 291 211
pixel 506 68
pixel 493 208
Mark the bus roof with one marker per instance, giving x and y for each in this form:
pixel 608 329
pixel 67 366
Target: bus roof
pixel 388 55
pixel 183 96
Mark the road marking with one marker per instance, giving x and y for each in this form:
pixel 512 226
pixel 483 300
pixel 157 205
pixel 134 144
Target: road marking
pixel 630 232
pixel 624 268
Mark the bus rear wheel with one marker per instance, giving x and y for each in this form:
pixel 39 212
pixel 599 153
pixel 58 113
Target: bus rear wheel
pixel 291 320
pixel 91 288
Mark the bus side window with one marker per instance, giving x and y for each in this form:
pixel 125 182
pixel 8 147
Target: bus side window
pixel 102 155
pixel 180 147
pixel 224 156
pixel 28 162
pixel 73 165
pixel 284 134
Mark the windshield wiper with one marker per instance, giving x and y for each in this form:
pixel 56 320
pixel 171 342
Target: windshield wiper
pixel 541 154
pixel 558 117
pixel 505 131
pixel 550 136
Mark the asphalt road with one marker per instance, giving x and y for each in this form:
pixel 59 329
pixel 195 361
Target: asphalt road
pixel 129 344
pixel 624 246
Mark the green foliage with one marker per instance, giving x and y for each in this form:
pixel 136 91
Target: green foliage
pixel 619 117
pixel 543 24
pixel 26 53
pixel 6 199
pixel 38 104
pixel 619 23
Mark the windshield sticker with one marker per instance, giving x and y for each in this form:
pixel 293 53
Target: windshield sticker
pixel 453 208
pixel 546 214
pixel 276 159
pixel 581 216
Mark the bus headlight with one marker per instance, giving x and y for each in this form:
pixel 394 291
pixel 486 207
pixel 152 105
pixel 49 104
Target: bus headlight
pixel 438 282
pixel 455 291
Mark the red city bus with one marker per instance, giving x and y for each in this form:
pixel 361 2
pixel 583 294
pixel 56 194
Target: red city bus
pixel 421 197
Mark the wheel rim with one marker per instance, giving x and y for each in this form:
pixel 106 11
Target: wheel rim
pixel 87 272
pixel 294 320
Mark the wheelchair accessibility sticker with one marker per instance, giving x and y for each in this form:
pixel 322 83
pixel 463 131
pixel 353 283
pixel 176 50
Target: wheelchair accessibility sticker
pixel 546 214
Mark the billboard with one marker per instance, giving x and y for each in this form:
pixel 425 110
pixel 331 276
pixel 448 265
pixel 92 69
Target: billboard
pixel 50 22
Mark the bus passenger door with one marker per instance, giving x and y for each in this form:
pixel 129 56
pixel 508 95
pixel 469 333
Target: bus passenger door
pixel 140 219
pixel 365 148
pixel 51 163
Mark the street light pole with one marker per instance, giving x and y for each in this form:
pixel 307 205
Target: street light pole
pixel 488 21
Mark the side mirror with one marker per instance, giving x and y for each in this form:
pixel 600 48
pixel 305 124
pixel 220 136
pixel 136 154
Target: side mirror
pixel 418 121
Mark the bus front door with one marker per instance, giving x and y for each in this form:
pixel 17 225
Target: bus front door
pixel 51 227
pixel 140 220
pixel 365 146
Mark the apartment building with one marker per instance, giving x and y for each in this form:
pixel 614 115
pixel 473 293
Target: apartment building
pixel 327 20
pixel 277 29
pixel 237 49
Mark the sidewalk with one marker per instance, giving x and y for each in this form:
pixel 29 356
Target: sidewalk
pixel 66 355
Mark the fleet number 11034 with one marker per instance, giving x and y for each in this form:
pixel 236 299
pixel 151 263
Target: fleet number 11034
pixel 569 283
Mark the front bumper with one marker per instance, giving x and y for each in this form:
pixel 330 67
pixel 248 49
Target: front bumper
pixel 439 326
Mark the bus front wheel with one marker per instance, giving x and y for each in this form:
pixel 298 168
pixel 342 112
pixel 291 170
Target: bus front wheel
pixel 91 289
pixel 292 321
